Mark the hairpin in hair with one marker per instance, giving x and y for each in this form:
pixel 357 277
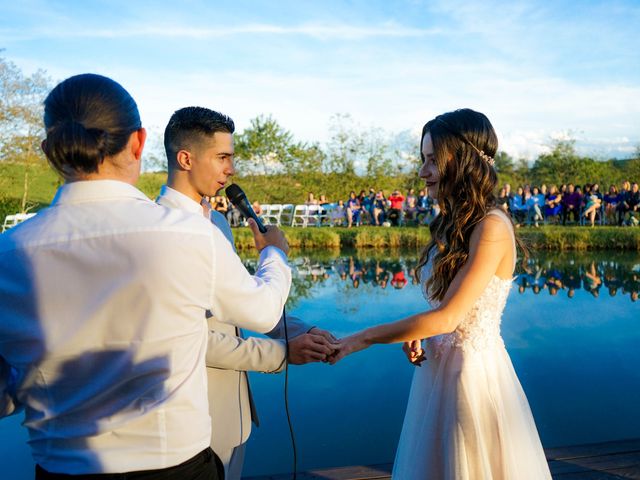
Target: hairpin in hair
pixel 486 158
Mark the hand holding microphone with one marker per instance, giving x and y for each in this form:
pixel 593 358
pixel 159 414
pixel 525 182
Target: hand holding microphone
pixel 262 236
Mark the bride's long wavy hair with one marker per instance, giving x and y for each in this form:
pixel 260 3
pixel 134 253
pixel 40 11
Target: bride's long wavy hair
pixel 464 143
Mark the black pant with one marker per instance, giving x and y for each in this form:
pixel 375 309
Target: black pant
pixel 204 466
pixel 569 212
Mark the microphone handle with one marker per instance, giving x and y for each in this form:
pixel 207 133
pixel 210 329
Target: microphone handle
pixel 247 211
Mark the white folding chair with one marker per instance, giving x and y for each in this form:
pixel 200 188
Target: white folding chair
pixel 273 216
pixel 299 216
pixel 313 215
pixel 286 214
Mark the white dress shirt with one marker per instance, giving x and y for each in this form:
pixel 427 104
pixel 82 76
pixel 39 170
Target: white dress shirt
pixel 103 333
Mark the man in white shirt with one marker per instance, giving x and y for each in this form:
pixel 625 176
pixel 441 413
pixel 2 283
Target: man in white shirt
pixel 103 335
pixel 199 147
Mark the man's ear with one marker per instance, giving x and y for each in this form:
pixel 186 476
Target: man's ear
pixel 184 159
pixel 138 144
pixel 43 146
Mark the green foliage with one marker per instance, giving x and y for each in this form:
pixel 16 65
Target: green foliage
pixel 564 165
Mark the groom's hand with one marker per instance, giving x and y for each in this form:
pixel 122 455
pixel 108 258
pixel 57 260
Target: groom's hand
pixel 414 352
pixel 315 346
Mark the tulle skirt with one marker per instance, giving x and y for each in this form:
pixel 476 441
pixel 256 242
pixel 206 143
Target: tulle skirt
pixel 468 419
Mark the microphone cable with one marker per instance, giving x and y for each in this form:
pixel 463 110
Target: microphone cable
pixel 286 394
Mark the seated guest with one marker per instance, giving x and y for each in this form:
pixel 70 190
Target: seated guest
pixel 365 207
pixel 623 202
pixel 353 209
pixel 611 200
pixel 553 204
pixel 234 216
pixel 411 206
pixel 592 205
pixel 518 207
pixel 395 212
pixel 311 200
pixel 379 208
pixel 502 202
pixel 571 202
pixel 221 204
pixel 257 208
pixel 534 204
pixel 634 205
pixel 339 214
pixel 423 206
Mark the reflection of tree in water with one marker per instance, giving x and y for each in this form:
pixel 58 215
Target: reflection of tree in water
pixel 563 273
pixel 616 273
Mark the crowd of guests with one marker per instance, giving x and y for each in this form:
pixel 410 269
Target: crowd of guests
pixel 532 205
pixel 528 205
pixel 375 208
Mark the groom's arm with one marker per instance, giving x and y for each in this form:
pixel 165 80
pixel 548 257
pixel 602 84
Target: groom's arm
pixel 229 352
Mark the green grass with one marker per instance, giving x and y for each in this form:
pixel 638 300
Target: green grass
pixel 545 238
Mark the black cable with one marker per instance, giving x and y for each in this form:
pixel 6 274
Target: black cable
pixel 286 394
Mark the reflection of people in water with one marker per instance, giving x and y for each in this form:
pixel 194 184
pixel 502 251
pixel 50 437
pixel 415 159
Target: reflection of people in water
pixel 592 280
pixel 399 281
pixel 614 276
pixel 554 281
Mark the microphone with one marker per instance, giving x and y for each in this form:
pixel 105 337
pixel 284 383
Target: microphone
pixel 239 200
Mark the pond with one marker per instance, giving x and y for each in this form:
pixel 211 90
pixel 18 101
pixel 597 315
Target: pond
pixel 571 326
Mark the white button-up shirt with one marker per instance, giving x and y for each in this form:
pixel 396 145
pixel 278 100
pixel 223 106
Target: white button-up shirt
pixel 102 326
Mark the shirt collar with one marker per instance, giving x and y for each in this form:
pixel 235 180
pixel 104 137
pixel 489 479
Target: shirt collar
pixel 180 199
pixel 95 191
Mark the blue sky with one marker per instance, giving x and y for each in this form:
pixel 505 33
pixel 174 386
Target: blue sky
pixel 538 69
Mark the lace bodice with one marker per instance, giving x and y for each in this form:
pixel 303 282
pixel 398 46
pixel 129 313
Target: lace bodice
pixel 480 328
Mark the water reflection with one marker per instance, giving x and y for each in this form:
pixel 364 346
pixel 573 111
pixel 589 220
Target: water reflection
pixel 617 274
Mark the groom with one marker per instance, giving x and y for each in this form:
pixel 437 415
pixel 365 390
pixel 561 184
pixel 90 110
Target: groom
pixel 200 151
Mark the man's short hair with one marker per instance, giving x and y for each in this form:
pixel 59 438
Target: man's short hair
pixel 189 127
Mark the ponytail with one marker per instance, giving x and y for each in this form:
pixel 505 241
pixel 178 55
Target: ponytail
pixel 87 118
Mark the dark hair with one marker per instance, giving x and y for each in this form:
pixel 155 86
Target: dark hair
pixel 188 126
pixel 464 144
pixel 87 117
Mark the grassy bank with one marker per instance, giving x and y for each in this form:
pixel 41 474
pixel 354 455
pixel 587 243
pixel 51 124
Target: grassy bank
pixel 545 238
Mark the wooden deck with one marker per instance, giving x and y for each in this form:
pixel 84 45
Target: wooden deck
pixel 601 461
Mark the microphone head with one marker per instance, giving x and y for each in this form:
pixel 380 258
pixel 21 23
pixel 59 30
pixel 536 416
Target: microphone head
pixel 235 193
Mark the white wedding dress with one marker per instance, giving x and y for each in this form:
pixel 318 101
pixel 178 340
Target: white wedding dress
pixel 467 415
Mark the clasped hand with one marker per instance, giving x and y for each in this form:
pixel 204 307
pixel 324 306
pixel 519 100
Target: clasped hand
pixel 316 345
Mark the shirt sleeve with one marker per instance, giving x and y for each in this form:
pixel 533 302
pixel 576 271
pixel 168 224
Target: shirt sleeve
pixel 254 302
pixel 229 352
pixel 295 328
pixel 8 403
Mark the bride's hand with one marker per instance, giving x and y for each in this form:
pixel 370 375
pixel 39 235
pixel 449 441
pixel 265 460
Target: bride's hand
pixel 348 345
pixel 414 352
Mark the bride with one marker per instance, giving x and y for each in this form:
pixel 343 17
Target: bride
pixel 467 415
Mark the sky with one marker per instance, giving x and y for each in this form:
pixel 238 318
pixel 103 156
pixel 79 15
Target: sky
pixel 540 70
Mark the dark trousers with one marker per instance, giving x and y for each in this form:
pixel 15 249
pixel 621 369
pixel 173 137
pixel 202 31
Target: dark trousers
pixel 568 213
pixel 204 466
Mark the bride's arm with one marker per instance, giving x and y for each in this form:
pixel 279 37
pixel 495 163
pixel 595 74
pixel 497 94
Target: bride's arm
pixel 490 243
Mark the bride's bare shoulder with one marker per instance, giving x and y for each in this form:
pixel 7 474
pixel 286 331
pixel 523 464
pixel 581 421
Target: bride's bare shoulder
pixel 492 228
